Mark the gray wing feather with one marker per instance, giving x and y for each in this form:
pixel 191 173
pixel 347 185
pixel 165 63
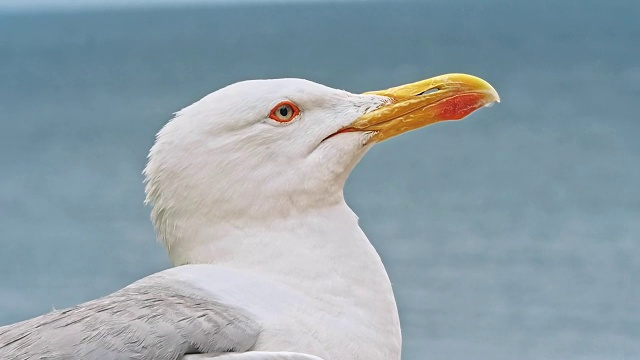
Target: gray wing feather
pixel 154 318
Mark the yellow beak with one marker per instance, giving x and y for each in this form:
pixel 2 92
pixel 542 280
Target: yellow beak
pixel 426 102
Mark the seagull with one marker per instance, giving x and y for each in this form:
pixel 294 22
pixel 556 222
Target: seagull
pixel 246 189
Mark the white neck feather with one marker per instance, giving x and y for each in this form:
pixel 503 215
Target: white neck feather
pixel 309 244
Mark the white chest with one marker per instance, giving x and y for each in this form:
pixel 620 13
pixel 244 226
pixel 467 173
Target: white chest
pixel 351 333
pixel 314 282
pixel 357 325
pixel 336 320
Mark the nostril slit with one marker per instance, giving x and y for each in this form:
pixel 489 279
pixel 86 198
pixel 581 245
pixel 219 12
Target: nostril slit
pixel 429 91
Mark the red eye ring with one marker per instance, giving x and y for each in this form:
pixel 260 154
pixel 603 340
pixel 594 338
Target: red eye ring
pixel 284 112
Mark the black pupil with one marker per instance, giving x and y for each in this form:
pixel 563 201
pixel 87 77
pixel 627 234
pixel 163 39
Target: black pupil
pixel 284 111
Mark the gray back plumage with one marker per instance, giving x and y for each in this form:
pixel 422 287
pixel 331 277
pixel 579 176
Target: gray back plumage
pixel 154 318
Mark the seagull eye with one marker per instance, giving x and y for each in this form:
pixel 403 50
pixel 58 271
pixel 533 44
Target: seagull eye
pixel 284 112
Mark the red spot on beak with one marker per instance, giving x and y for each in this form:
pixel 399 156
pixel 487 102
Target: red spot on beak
pixel 459 106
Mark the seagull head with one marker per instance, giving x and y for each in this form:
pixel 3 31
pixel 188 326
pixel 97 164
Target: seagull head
pixel 265 149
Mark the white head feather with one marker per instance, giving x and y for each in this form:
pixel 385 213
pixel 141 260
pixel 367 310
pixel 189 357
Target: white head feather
pixel 224 160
